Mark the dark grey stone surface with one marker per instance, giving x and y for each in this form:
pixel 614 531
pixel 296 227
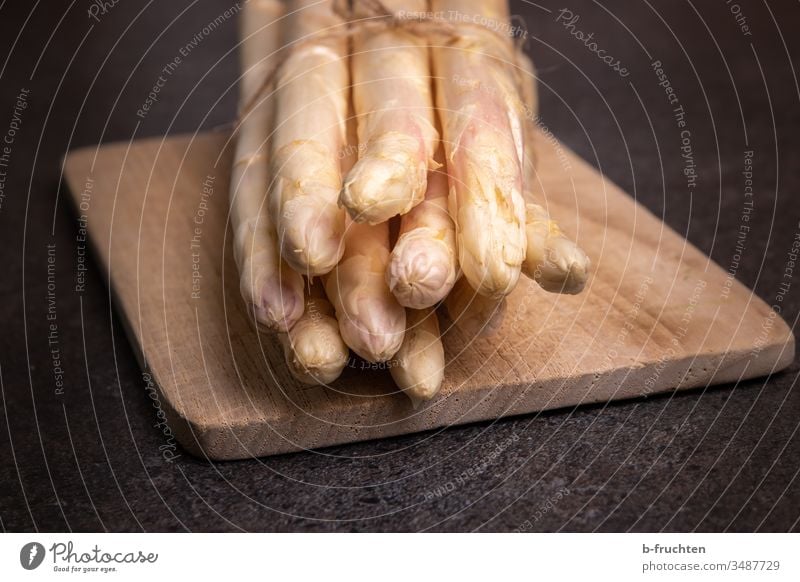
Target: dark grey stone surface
pixel 717 459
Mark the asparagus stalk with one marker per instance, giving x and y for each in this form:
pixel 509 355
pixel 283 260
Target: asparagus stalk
pixel 474 314
pixel 423 265
pixel 314 350
pixel 272 291
pixel 394 105
pixel 420 362
pixel 482 122
pixel 552 259
pixel 371 321
pixel 311 103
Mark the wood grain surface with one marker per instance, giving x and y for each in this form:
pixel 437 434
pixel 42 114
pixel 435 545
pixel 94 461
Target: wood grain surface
pixel 658 315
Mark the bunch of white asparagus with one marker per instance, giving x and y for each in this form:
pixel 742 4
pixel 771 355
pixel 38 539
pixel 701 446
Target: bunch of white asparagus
pixel 347 140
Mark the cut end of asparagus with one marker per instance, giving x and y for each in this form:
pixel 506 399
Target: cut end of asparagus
pixel 378 188
pixel 422 269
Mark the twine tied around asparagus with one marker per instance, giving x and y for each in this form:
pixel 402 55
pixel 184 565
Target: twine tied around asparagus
pixel 361 15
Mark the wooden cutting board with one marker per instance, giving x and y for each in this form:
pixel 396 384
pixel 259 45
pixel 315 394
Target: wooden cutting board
pixel 658 315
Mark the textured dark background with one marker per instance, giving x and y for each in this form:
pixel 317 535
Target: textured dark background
pixel 718 459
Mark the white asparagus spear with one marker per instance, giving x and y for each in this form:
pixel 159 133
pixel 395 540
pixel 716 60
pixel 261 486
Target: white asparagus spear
pixel 272 291
pixel 423 266
pixel 552 259
pixel 311 103
pixel 314 350
pixel 474 314
pixel 482 121
pixel 394 104
pixel 371 320
pixel 419 368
